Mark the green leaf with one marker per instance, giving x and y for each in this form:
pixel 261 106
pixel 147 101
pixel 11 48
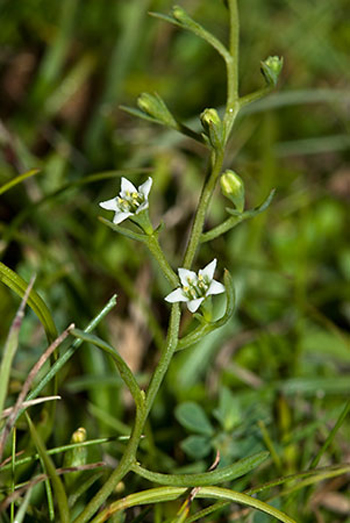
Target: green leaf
pixel 228 412
pixel 257 210
pixel 9 278
pixel 196 447
pixel 124 370
pixel 182 19
pixel 219 475
pixel 236 218
pixel 18 179
pixel 163 494
pixel 57 485
pixel 193 418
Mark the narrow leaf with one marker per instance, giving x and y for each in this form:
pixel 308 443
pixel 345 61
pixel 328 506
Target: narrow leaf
pixel 9 278
pixel 229 473
pixel 18 179
pixel 124 370
pixel 182 19
pixel 57 485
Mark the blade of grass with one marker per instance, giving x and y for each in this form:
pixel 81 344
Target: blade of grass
pixel 62 360
pixel 11 347
pixel 331 435
pixel 9 278
pixel 57 485
pixel 18 179
pixel 57 450
pixel 26 386
pixel 124 370
pixel 23 508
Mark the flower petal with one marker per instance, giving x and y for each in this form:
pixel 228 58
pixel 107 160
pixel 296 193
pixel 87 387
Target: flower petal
pixel 175 296
pixel 193 305
pixel 215 288
pixel 121 216
pixel 146 187
pixel 209 270
pixel 127 186
pixel 185 274
pixel 110 205
pixel 142 207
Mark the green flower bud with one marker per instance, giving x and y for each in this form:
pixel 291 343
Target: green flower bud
pixel 154 106
pixel 179 14
pixel 271 68
pixel 232 187
pixel 76 456
pixel 212 126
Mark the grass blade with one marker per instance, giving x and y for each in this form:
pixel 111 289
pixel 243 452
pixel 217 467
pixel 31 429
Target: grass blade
pixel 18 179
pixel 37 304
pixel 57 485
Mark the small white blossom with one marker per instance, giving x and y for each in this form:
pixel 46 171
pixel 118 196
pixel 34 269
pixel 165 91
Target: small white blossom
pixel 130 201
pixel 196 287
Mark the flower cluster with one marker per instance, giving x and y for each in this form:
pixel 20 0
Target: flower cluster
pixel 195 288
pixel 130 201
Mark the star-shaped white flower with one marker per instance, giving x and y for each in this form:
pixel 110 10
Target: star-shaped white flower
pixel 130 201
pixel 196 287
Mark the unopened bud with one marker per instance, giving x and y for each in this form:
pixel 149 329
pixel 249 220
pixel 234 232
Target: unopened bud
pixel 75 457
pixel 179 14
pixel 232 187
pixel 154 106
pixel 271 68
pixel 212 126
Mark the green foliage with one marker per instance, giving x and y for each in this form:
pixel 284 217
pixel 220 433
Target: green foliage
pixel 262 374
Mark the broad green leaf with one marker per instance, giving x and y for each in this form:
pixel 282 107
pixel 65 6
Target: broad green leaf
pixel 193 418
pixel 196 447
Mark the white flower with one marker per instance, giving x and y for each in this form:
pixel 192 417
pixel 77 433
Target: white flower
pixel 130 201
pixel 195 288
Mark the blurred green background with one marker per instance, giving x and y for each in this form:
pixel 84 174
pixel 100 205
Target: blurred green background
pixel 66 66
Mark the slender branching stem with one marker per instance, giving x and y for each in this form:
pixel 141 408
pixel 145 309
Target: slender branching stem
pixel 129 455
pixel 216 161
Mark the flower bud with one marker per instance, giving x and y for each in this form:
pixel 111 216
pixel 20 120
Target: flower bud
pixel 154 106
pixel 232 187
pixel 76 456
pixel 271 68
pixel 179 14
pixel 212 126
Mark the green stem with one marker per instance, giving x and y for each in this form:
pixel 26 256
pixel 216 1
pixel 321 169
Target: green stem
pixel 155 249
pixel 217 158
pixel 221 229
pixel 232 106
pixel 253 97
pixel 165 359
pixel 128 459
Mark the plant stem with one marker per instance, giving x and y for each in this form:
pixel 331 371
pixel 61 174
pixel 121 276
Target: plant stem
pixel 221 229
pixel 217 158
pixel 155 249
pixel 129 455
pixel 232 106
